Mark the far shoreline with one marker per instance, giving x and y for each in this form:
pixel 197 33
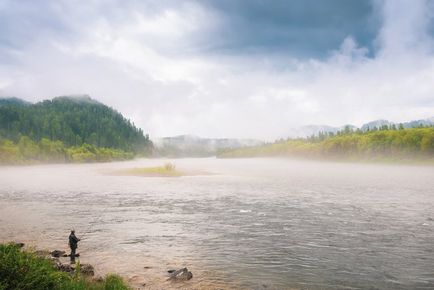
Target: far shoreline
pixel 427 162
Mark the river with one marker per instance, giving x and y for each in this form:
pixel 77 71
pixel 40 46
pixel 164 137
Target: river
pixel 250 224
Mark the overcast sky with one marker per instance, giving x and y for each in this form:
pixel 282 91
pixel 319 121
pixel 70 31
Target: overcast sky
pixel 227 68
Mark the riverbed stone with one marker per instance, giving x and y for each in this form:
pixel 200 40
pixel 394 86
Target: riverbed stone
pixel 58 253
pixel 87 269
pixel 65 268
pixel 18 244
pixel 182 274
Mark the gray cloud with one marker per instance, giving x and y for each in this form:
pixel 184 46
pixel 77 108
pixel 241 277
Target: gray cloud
pixel 225 68
pixel 303 28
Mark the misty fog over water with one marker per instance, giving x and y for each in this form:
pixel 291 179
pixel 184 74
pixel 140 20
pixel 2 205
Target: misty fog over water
pixel 252 223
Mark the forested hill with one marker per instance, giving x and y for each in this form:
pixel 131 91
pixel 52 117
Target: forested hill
pixel 73 120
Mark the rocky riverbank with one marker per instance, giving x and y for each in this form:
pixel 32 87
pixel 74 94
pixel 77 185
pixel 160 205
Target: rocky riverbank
pixel 58 261
pixel 25 269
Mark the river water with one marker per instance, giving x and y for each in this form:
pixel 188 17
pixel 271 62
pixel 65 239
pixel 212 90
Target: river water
pixel 250 224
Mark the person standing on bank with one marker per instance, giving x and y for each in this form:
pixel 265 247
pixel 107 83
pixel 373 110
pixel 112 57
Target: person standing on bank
pixel 73 242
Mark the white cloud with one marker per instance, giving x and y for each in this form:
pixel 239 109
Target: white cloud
pixel 405 27
pixel 145 65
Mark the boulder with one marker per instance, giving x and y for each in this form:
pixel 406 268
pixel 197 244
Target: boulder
pixel 58 253
pixel 87 269
pixel 65 268
pixel 180 275
pixel 19 245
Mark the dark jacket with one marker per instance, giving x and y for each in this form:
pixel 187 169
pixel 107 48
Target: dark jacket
pixel 73 241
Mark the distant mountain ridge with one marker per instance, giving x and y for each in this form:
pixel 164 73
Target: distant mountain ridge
pixel 376 124
pixel 307 131
pixel 411 124
pixel 194 146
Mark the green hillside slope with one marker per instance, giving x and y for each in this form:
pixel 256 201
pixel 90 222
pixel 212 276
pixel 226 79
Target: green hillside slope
pixel 70 128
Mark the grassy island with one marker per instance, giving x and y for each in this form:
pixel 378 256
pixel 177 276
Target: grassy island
pixel 167 170
pixel 25 270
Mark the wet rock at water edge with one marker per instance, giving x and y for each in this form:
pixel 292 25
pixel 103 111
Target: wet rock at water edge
pixel 58 253
pixel 87 269
pixel 65 267
pixel 180 275
pixel 18 244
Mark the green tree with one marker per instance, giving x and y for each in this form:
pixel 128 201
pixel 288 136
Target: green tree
pixel 28 149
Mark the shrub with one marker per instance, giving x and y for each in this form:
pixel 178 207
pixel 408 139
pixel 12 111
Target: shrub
pixel 26 271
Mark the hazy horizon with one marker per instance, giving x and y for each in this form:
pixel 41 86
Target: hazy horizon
pixel 226 69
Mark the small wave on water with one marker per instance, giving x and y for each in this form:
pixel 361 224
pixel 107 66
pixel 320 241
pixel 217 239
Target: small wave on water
pixel 245 210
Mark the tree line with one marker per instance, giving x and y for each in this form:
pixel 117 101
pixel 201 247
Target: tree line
pixel 27 151
pixel 392 143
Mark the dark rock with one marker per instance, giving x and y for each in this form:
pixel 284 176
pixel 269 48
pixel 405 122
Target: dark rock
pixel 19 245
pixel 87 269
pixel 65 268
pixel 58 253
pixel 180 275
pixel 186 276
